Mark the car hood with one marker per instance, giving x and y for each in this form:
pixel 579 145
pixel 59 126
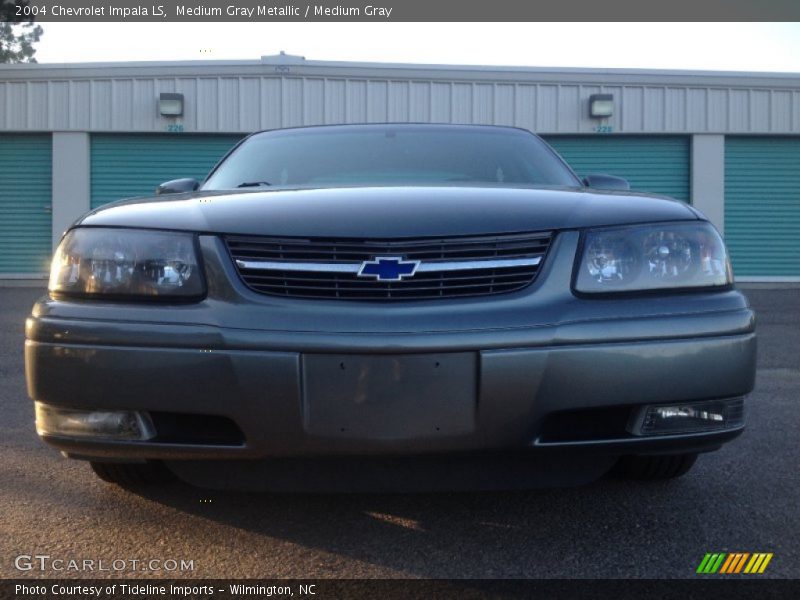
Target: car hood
pixel 387 212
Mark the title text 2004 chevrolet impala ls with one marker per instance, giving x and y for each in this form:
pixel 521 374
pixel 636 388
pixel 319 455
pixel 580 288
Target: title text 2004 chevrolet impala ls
pixel 390 307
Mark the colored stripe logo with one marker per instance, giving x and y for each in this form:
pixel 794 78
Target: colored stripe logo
pixel 734 562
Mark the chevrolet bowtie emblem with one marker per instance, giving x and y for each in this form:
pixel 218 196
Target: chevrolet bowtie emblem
pixel 388 268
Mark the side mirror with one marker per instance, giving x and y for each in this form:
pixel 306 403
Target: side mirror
pixel 177 186
pixel 606 182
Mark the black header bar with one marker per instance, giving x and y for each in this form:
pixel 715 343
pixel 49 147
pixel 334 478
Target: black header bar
pixel 410 10
pixel 704 587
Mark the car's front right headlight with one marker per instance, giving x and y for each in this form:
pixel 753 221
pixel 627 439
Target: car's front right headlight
pixel 661 256
pixel 103 262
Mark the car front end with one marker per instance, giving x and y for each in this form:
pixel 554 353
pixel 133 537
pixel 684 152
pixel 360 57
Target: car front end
pixel 390 337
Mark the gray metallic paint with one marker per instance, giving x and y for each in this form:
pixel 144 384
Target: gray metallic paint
pixel 387 212
pixel 523 355
pixel 239 354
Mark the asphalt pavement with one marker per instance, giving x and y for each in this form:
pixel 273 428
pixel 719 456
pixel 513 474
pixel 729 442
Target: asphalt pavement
pixel 744 498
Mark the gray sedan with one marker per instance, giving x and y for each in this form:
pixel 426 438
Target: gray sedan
pixel 390 307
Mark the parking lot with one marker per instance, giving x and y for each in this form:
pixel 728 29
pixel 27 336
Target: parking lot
pixel 743 498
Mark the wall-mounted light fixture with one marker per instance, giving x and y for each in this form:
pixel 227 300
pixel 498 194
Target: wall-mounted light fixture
pixel 170 105
pixel 601 106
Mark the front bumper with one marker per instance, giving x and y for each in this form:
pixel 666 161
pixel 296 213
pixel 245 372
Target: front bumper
pixel 501 398
pixel 309 379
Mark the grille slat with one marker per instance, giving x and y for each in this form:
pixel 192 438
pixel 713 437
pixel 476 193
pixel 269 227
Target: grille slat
pixel 421 286
pixel 345 257
pixel 353 286
pixel 291 276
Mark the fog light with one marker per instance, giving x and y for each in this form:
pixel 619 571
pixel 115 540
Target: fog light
pixel 101 424
pixel 689 417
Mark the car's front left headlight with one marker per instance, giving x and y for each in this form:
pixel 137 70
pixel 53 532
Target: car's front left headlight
pixel 126 263
pixel 661 256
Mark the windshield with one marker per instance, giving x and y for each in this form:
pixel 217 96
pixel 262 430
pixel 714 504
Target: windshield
pixel 390 155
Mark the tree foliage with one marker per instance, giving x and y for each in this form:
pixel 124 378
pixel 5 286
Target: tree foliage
pixel 17 34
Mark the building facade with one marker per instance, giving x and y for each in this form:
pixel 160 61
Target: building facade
pixel 75 136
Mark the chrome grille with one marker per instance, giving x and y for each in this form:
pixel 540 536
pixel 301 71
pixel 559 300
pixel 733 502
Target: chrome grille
pixel 449 267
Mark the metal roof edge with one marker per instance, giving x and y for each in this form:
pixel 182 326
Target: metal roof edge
pixel 269 64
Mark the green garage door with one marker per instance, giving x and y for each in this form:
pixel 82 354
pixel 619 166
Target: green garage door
pixel 762 205
pixel 655 164
pixel 124 166
pixel 25 204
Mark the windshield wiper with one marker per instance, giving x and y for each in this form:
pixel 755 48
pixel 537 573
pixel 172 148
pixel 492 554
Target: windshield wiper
pixel 253 184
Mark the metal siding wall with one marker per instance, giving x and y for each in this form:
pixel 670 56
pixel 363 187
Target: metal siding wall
pixel 504 105
pixel 762 205
pixel 271 99
pixel 124 166
pixel 420 102
pixel 696 102
pixel 229 99
pixel 656 164
pixel 399 108
pixel 335 101
pixel 781 111
pixel 25 203
pixel 313 101
pixel 654 117
pixel 250 105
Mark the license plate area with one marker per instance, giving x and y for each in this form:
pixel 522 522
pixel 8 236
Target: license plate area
pixel 389 397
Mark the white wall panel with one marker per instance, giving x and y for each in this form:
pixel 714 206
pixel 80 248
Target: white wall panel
pixel 207 103
pixel 145 103
pixel 696 116
pixel 313 101
pixel 441 102
pixel 739 113
pixel 335 101
pixel 292 102
pixel 504 104
pixel 249 104
pixel 398 101
pixel 101 107
pixel 122 102
pixel 759 110
pixel 80 95
pixel 483 103
pixel 37 94
pixel 569 104
pixel 356 101
pixel 57 99
pixel 377 102
pixel 653 118
pixel 547 108
pixel 781 111
pixel 717 111
pixel 271 103
pixel 525 107
pixel 16 113
pixel 619 109
pixel 461 103
pixel 633 109
pixel 228 106
pixel 419 100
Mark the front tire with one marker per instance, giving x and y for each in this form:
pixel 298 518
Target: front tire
pixel 133 474
pixel 653 468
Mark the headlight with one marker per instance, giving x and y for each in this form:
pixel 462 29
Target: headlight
pixel 126 263
pixel 653 257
